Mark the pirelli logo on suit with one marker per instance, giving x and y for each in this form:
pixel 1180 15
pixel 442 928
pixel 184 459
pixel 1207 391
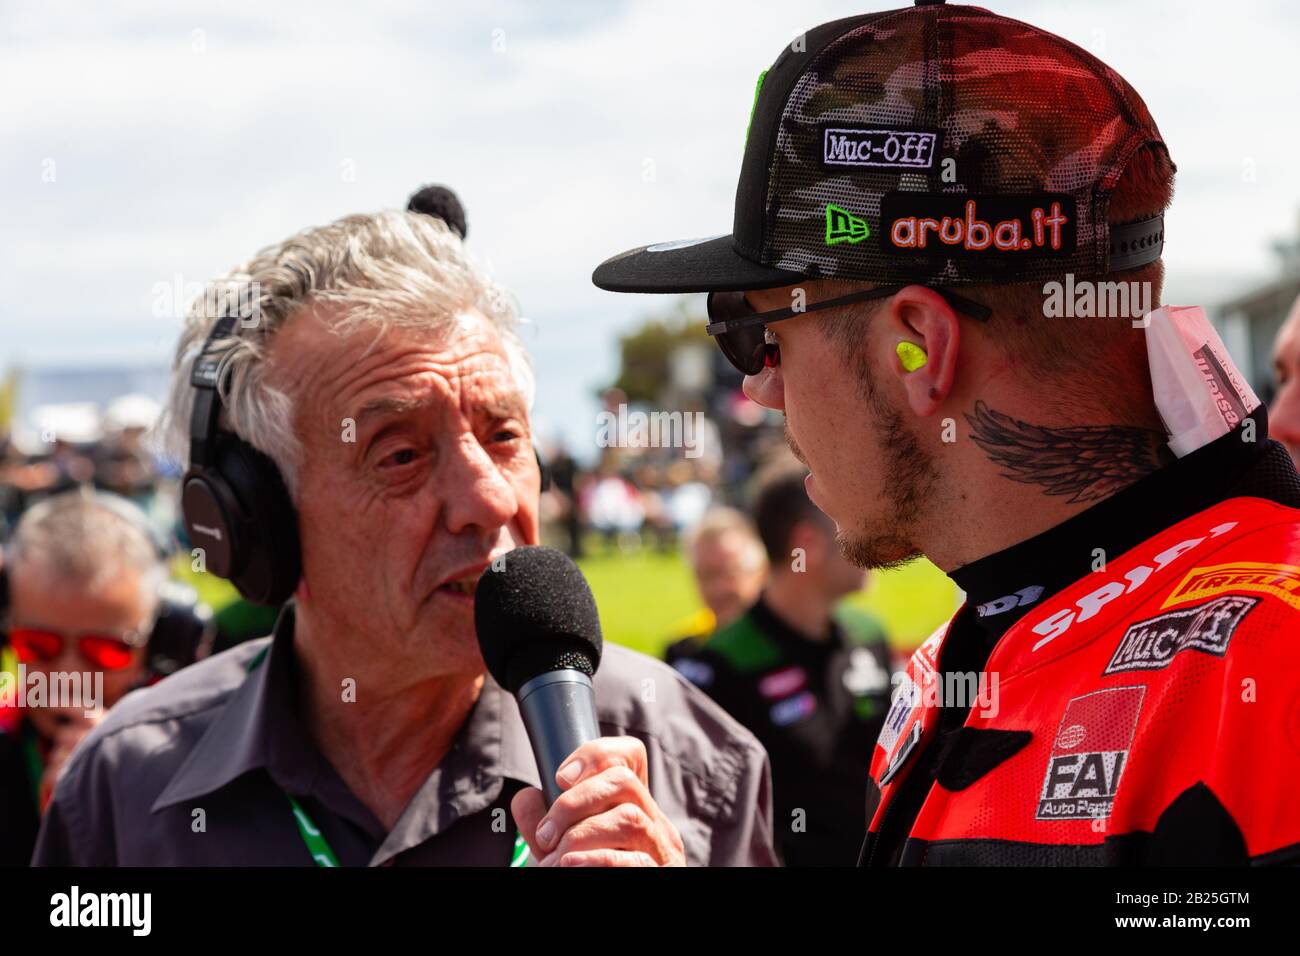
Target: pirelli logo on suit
pixel 1280 580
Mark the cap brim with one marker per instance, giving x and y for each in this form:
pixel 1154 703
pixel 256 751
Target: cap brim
pixel 693 265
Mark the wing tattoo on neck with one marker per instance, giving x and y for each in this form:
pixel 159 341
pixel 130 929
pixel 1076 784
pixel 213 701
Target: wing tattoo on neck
pixel 1083 462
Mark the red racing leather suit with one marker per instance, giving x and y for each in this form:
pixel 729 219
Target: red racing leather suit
pixel 1148 713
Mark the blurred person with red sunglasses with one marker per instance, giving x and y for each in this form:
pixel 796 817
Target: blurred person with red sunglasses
pixel 83 580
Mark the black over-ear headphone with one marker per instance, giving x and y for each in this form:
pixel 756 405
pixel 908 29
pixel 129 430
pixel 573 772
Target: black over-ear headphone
pixel 233 498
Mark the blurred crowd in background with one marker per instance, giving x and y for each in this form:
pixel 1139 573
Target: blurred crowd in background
pixel 107 451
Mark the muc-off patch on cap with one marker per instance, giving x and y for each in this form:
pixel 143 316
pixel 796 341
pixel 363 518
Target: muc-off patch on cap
pixel 937 144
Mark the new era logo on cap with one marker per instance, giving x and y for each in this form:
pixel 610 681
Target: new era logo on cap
pixel 843 226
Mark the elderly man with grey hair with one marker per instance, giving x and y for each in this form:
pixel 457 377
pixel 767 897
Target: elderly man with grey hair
pixel 379 372
pixel 83 581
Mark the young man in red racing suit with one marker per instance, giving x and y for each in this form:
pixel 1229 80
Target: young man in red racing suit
pixel 1146 712
pixel 937 209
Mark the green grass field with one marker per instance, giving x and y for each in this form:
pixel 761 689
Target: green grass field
pixel 645 597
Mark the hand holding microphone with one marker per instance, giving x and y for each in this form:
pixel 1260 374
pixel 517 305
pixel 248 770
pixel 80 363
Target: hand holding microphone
pixel 539 634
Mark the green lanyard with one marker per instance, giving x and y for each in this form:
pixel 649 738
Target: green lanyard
pixel 321 852
pixel 317 845
pixel 35 763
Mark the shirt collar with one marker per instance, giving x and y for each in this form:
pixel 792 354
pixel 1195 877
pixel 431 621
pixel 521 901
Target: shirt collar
pixel 256 725
pixel 491 748
pixel 794 643
pixel 260 728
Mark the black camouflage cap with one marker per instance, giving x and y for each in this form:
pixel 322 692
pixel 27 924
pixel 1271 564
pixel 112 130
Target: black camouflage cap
pixel 936 144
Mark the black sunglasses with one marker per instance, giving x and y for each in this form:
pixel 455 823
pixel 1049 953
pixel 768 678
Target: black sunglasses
pixel 740 331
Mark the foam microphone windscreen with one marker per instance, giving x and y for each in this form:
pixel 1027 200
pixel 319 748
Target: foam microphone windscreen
pixel 535 615
pixel 440 203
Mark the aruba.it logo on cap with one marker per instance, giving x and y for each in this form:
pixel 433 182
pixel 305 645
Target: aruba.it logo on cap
pixel 1026 225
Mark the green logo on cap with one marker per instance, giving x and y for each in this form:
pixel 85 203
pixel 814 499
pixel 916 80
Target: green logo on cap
pixel 758 88
pixel 843 226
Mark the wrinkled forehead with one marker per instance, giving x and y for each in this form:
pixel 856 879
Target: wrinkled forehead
pixel 41 580
pixel 345 363
pixel 325 334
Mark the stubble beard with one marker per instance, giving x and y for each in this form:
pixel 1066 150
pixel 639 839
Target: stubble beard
pixel 887 541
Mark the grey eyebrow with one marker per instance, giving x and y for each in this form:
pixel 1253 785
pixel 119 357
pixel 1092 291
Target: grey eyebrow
pixel 508 407
pixel 511 407
pixel 388 406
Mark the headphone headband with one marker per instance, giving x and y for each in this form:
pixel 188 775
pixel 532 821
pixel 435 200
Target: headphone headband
pixel 205 377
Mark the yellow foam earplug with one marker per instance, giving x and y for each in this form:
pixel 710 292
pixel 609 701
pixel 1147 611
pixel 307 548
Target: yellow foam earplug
pixel 912 356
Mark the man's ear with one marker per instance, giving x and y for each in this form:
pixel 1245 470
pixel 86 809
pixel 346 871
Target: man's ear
pixel 923 337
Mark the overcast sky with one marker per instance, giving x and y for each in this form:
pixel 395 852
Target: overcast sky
pixel 148 144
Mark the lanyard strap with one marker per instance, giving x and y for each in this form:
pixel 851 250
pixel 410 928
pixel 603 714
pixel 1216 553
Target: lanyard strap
pixel 323 854
pixel 317 845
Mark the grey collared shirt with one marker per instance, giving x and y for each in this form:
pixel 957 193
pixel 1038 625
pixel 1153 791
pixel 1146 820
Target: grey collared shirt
pixel 197 771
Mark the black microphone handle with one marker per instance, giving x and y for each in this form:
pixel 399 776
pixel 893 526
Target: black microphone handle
pixel 559 712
